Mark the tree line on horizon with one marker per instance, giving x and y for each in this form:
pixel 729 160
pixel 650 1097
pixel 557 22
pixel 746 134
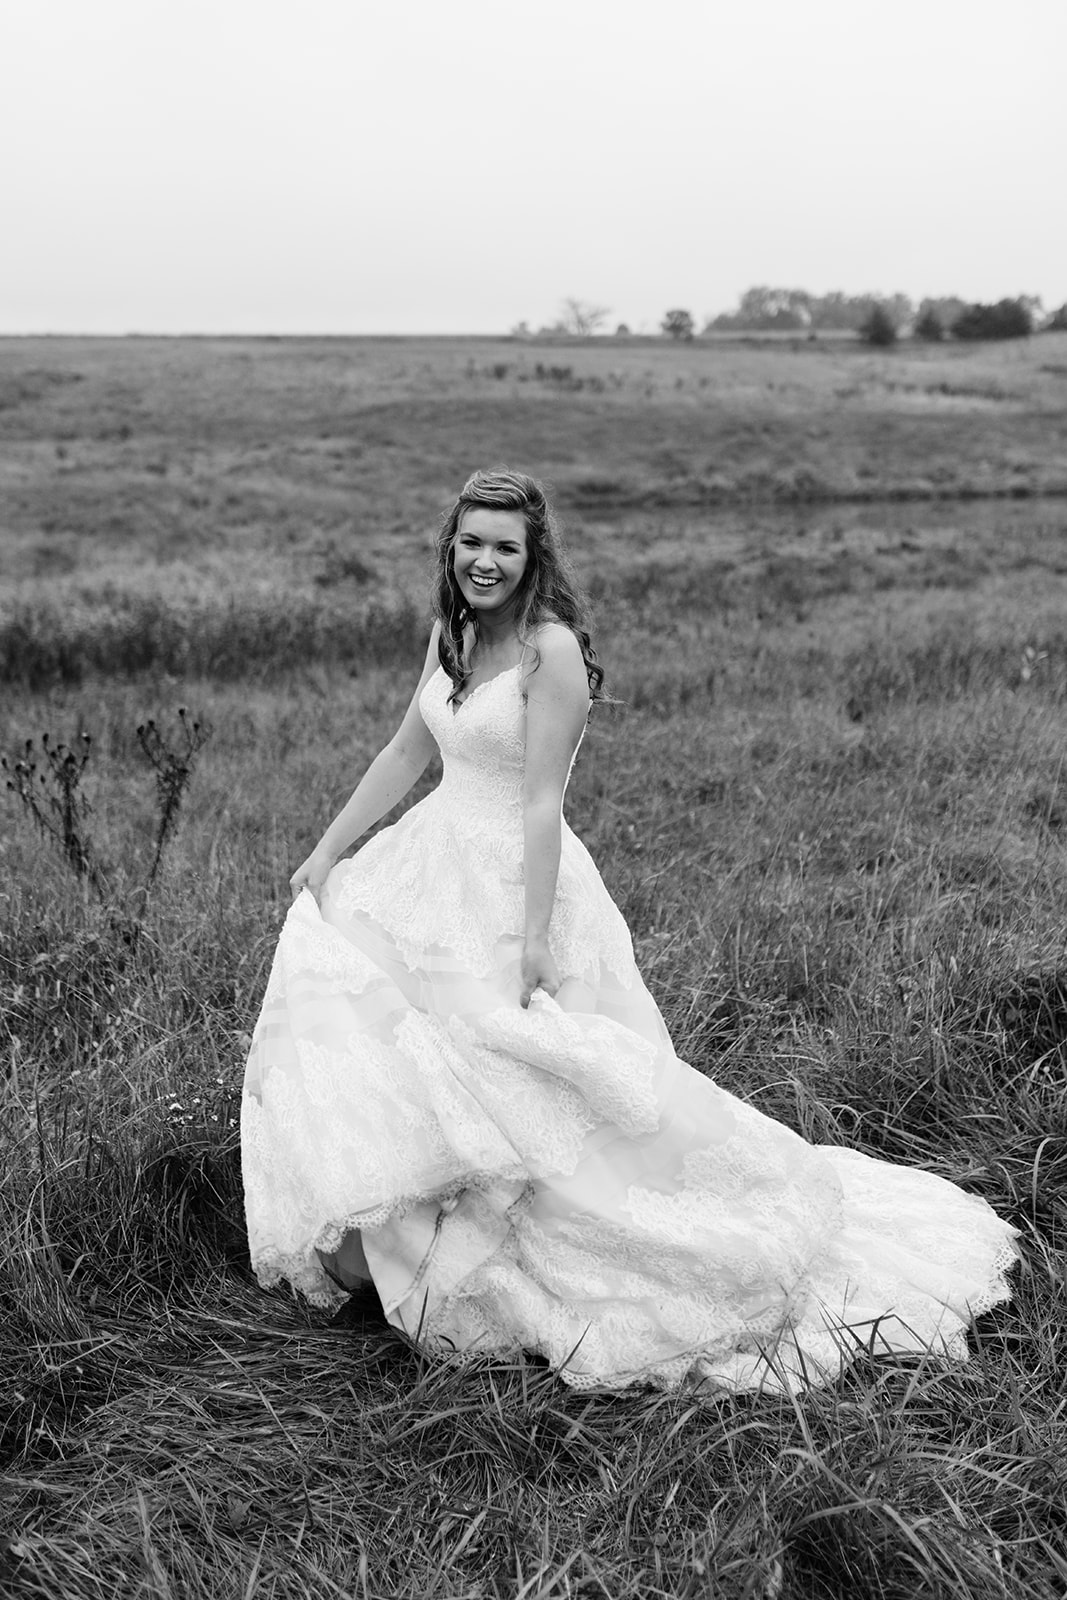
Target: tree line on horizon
pixel 882 318
pixel 879 319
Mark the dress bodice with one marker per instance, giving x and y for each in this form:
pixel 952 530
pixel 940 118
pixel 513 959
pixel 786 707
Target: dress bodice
pixel 449 875
pixel 482 742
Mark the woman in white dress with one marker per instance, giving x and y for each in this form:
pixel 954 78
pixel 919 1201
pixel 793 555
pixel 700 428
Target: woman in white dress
pixel 460 1088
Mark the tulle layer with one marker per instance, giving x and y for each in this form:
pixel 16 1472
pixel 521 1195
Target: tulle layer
pixel 557 1180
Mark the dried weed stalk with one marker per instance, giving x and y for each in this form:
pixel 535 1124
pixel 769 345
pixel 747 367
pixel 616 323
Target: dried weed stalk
pixel 174 761
pixel 49 788
pixel 51 792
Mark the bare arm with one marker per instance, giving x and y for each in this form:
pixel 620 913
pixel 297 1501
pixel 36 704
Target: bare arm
pixel 386 781
pixel 557 704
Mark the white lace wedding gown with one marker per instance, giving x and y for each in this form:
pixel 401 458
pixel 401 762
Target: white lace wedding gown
pixel 556 1179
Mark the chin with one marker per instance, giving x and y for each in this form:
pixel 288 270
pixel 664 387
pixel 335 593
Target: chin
pixel 486 600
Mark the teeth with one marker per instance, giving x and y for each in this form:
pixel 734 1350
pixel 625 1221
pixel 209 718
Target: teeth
pixel 483 583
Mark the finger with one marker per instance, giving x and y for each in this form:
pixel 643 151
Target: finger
pixel 524 997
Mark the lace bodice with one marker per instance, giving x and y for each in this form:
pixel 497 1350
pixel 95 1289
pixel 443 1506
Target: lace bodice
pixel 482 742
pixel 450 873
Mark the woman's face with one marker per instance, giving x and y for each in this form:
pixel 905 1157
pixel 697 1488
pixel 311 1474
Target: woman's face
pixel 489 557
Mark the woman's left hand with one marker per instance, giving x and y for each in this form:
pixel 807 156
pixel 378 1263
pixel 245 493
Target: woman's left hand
pixel 539 971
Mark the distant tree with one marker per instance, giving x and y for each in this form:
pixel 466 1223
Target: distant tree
pixel 622 331
pixel 521 330
pixel 897 308
pixel 678 324
pixel 929 326
pixel 795 310
pixel 1007 319
pixel 582 318
pixel 766 308
pixel 900 308
pixel 1036 307
pixel 837 310
pixel 760 308
pixel 946 309
pixel 1057 322
pixel 879 327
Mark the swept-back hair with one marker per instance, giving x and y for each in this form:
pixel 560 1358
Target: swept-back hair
pixel 548 590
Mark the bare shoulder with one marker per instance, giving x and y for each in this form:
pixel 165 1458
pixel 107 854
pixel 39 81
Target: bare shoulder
pixel 557 683
pixel 558 651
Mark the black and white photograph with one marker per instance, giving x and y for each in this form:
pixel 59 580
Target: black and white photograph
pixel 533 800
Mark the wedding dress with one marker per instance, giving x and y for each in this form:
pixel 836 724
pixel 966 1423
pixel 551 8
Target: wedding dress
pixel 556 1179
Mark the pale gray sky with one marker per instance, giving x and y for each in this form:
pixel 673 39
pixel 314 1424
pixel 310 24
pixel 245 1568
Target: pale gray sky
pixel 456 165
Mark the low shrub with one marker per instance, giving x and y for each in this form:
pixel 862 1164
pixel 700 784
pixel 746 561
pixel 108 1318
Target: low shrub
pixel 929 327
pixel 233 638
pixel 878 328
pixel 1007 319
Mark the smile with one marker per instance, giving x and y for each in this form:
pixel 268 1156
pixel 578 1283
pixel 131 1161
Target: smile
pixel 482 583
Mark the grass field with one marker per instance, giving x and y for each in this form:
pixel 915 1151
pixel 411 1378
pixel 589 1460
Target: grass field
pixel 831 592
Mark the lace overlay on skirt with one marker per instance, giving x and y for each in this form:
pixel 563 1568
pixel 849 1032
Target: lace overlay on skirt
pixel 556 1179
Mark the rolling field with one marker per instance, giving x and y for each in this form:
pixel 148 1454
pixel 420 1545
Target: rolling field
pixel 830 589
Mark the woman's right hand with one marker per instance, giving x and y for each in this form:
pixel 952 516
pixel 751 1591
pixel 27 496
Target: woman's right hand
pixel 312 874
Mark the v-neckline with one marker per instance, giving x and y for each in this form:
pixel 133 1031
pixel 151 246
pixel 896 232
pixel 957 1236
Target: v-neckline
pixel 456 706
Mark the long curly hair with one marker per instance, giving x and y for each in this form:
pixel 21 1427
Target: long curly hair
pixel 548 590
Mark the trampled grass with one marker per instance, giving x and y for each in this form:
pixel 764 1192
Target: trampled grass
pixel 832 806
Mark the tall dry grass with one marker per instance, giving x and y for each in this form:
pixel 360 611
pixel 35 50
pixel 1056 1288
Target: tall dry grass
pixel 855 923
pixel 833 807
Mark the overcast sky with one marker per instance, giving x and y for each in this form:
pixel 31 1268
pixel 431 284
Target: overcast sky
pixel 458 165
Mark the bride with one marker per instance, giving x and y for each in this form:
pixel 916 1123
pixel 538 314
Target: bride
pixel 460 1088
